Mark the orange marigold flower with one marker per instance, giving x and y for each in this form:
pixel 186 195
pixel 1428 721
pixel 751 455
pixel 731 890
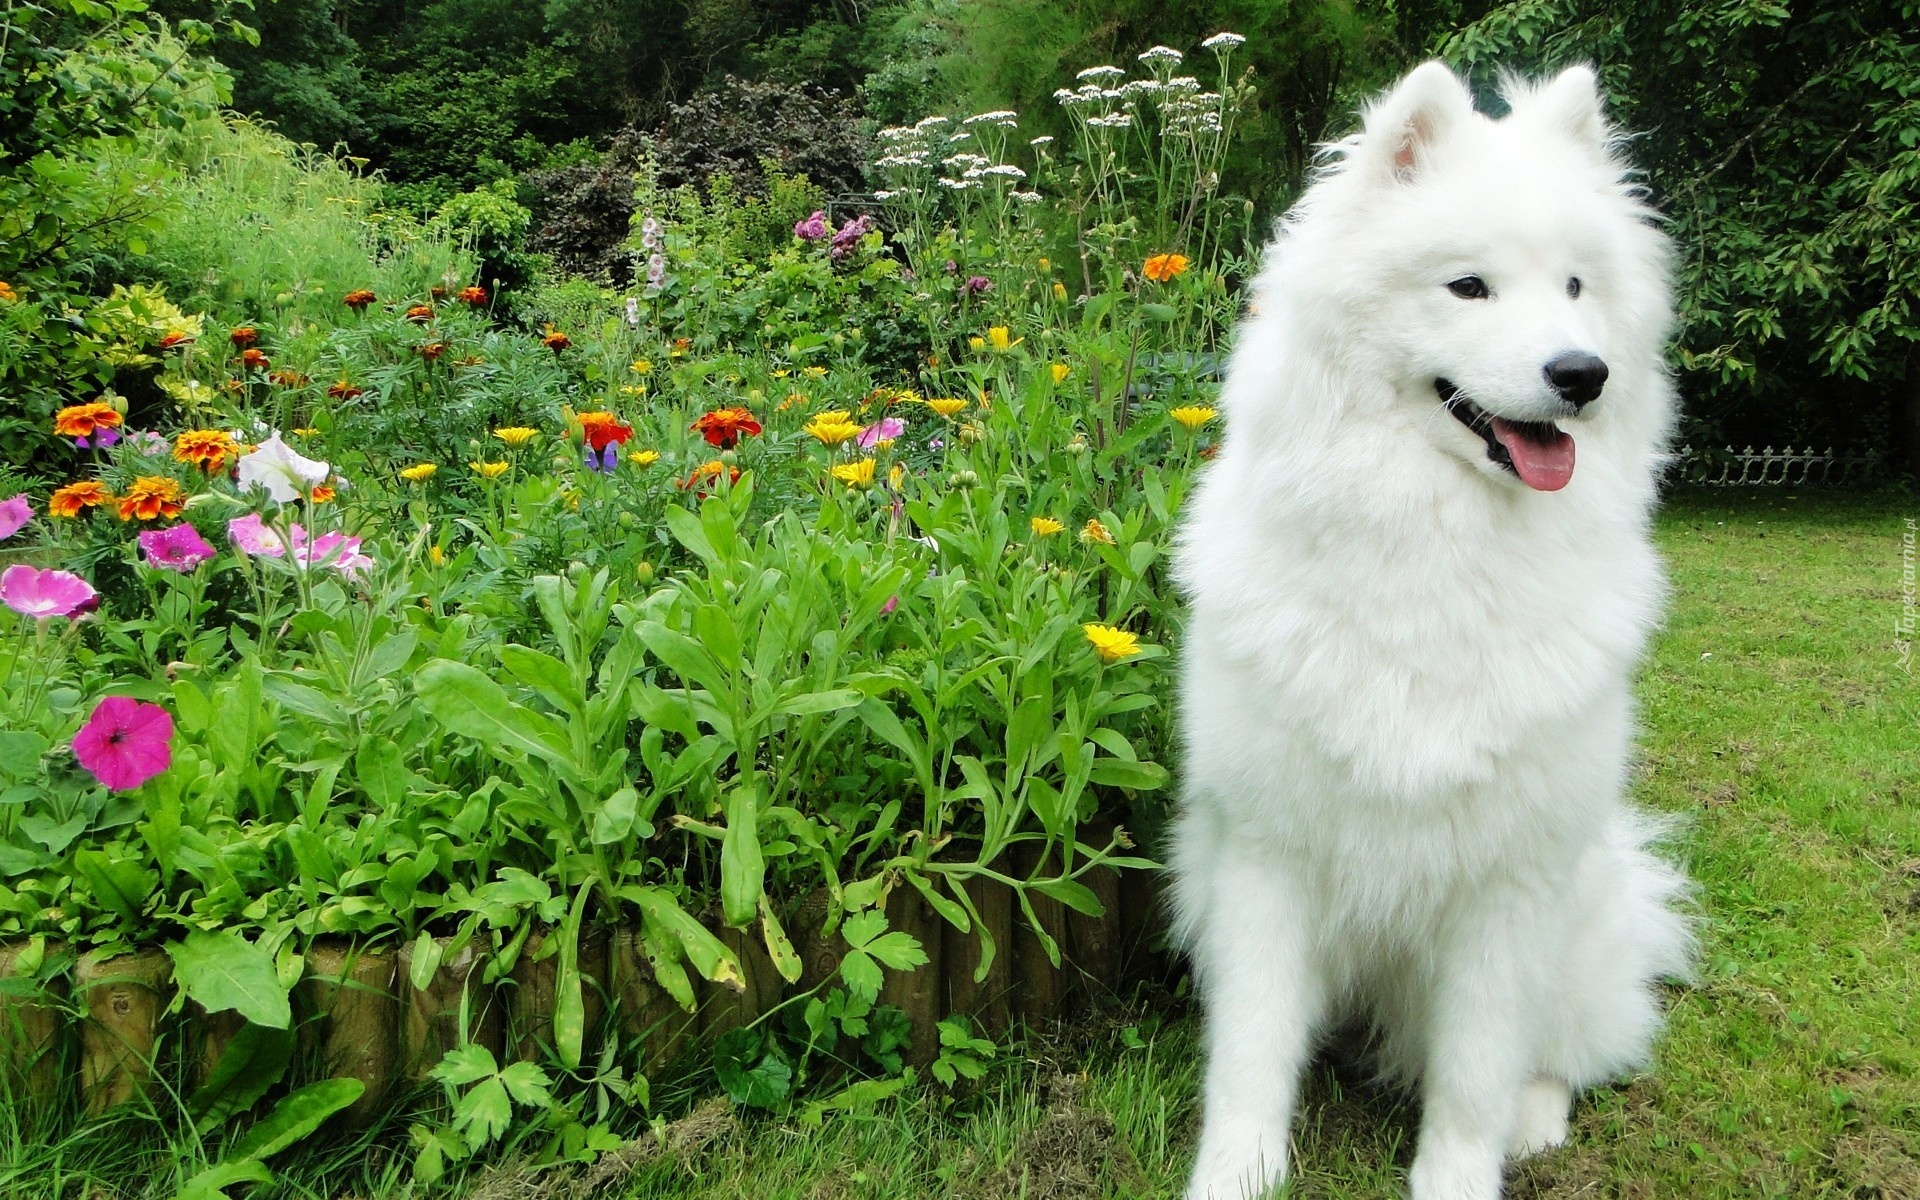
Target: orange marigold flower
pixel 555 340
pixel 254 360
pixel 322 494
pixel 724 427
pixel 208 449
pixel 290 379
pixel 344 391
pixel 436 292
pixel 358 299
pixel 7 293
pixel 681 346
pixel 708 473
pixel 176 338
pixel 1163 267
pixel 81 420
pixel 85 493
pixel 152 497
pixel 431 351
pixel 603 429
pixel 476 296
pixel 244 336
pixel 420 314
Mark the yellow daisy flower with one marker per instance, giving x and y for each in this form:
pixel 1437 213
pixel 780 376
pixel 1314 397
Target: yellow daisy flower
pixel 643 458
pixel 1094 531
pixel 640 366
pixel 489 470
pixel 1193 416
pixel 1001 338
pixel 947 406
pixel 419 472
pixel 1045 526
pixel 858 474
pixel 1111 644
pixel 516 435
pixel 833 428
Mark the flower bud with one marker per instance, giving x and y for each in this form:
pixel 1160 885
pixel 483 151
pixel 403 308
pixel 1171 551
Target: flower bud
pixel 644 572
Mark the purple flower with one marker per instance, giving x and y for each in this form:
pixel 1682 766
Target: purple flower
pixel 32 592
pixel 953 268
pixel 892 603
pixel 978 284
pixel 849 237
pixel 813 228
pixel 252 536
pixel 884 430
pixel 125 742
pixel 606 460
pixel 103 436
pixel 936 443
pixel 14 514
pixel 180 548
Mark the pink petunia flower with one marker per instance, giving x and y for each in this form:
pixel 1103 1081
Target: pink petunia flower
pixel 14 514
pixel 125 742
pixel 180 548
pixel 335 550
pixel 884 430
pixel 253 536
pixel 32 592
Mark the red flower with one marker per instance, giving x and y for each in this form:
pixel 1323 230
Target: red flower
pixel 358 300
pixel 436 293
pixel 244 336
pixel 724 427
pixel 420 314
pixel 476 296
pixel 343 391
pixel 431 351
pixel 254 360
pixel 290 379
pixel 603 429
pixel 176 338
pixel 555 340
pixel 707 474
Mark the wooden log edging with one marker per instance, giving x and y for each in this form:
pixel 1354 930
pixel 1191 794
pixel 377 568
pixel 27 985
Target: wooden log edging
pixel 361 1017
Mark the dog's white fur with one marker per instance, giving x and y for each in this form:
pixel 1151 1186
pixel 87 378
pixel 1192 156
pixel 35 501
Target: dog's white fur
pixel 1406 703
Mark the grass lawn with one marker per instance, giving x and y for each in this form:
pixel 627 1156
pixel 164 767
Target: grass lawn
pixel 1780 729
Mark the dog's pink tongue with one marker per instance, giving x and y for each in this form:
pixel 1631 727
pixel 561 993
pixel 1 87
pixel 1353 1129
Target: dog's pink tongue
pixel 1545 463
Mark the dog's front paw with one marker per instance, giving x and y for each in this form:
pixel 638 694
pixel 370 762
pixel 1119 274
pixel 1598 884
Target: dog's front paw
pixel 1455 1169
pixel 1238 1165
pixel 1543 1118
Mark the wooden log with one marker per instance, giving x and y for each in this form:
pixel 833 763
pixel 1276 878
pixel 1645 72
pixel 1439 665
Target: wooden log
pixel 430 1019
pixel 122 997
pixel 988 1000
pixel 819 950
pixel 1093 943
pixel 724 1009
pixel 354 1032
pixel 29 1027
pixel 920 993
pixel 1144 931
pixel 1038 985
pixel 214 1034
pixel 643 1010
pixel 536 992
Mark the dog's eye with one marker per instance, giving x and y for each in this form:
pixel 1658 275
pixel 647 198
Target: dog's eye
pixel 1573 287
pixel 1469 287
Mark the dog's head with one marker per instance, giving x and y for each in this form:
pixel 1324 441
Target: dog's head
pixel 1515 283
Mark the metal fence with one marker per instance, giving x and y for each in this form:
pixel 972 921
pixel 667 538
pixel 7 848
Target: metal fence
pixel 1786 467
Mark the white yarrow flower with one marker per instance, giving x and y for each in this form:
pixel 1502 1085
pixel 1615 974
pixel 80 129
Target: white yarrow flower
pixel 1223 41
pixel 1005 171
pixel 284 472
pixel 1103 72
pixel 1045 139
pixel 1162 54
pixel 1000 116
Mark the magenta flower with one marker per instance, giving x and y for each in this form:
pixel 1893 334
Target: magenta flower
pixel 180 548
pixel 335 550
pixel 32 592
pixel 884 430
pixel 252 536
pixel 125 742
pixel 849 237
pixel 978 285
pixel 813 228
pixel 14 514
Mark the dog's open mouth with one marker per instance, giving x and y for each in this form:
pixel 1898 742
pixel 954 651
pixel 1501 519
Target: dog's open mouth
pixel 1539 452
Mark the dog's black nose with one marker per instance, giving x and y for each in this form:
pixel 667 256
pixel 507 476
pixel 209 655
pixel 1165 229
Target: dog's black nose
pixel 1577 377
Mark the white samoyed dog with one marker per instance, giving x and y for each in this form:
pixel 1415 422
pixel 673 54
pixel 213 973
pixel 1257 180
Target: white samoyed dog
pixel 1406 701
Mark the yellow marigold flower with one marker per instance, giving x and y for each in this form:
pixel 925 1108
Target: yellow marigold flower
pixel 69 500
pixel 1094 531
pixel 516 435
pixel 208 449
pixel 1045 526
pixel 1164 267
pixel 640 366
pixel 978 343
pixel 947 406
pixel 322 493
pixel 815 372
pixel 1045 265
pixel 7 293
pixel 151 497
pixel 489 470
pixel 419 472
pixel 1060 371
pixel 781 373
pixel 1001 338
pixel 643 458
pixel 1193 416
pixel 895 475
pixel 858 474
pixel 1111 644
pixel 435 554
pixel 833 427
pixel 1059 291
pixel 305 431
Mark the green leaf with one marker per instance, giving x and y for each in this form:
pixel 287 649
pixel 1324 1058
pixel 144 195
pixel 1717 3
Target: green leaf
pixel 899 950
pixel 466 1064
pixel 742 864
pixel 469 703
pixel 211 1184
pixel 297 1116
pixel 751 1070
pixel 1119 772
pixel 222 971
pixel 545 674
pixel 819 702
pixel 120 885
pixel 255 1060
pixel 1074 894
pixel 527 1084
pixel 20 751
pixel 861 973
pixel 484 1113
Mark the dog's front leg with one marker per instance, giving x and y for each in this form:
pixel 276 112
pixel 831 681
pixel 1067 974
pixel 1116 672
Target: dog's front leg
pixel 1482 1028
pixel 1264 996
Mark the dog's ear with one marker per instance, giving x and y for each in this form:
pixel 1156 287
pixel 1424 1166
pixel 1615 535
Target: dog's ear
pixel 1570 104
pixel 1410 124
